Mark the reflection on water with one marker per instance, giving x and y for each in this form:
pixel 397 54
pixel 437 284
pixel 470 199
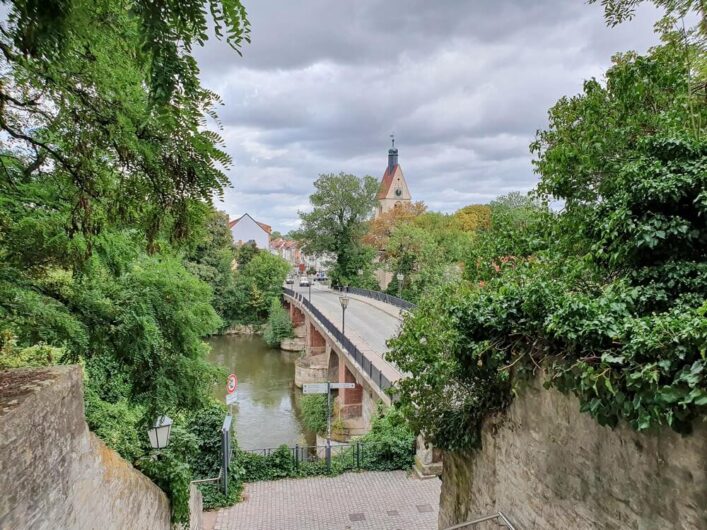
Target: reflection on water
pixel 267 413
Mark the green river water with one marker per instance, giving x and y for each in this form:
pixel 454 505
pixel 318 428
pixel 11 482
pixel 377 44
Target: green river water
pixel 267 414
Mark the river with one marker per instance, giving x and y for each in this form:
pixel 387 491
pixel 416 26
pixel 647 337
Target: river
pixel 267 413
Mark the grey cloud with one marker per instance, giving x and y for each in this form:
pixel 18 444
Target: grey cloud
pixel 464 85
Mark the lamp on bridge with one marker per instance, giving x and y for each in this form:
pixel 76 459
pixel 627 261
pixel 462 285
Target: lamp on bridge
pixel 344 301
pixel 310 279
pixel 400 277
pixel 159 433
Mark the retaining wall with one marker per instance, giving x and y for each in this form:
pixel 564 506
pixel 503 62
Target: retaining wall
pixel 56 474
pixel 546 465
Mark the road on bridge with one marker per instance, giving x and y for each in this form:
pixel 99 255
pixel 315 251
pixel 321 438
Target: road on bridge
pixel 367 324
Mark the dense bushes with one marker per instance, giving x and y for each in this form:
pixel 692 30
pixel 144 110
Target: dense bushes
pixel 388 446
pixel 608 296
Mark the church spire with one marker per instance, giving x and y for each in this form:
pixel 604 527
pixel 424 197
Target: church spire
pixel 392 154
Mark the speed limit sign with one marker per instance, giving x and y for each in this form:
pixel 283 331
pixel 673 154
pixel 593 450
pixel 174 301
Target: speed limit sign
pixel 231 383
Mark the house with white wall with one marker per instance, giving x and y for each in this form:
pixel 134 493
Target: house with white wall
pixel 245 229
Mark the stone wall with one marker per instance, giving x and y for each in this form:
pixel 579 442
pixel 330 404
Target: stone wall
pixel 55 472
pixel 546 465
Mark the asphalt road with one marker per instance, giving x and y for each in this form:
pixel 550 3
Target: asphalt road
pixel 372 325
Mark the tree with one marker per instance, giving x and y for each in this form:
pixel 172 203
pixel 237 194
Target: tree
pixel 473 217
pixel 608 295
pixel 211 259
pixel 380 228
pixel 257 284
pixel 130 147
pixel 341 205
pixel 107 171
pixel 618 11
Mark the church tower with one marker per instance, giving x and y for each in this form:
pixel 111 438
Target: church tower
pixel 393 191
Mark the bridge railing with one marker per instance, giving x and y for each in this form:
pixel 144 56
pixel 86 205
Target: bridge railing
pixel 359 357
pixel 378 295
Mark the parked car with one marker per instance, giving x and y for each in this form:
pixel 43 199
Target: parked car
pixel 303 281
pixel 290 280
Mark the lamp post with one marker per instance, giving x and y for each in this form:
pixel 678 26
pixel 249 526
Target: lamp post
pixel 159 432
pixel 344 301
pixel 400 277
pixel 310 279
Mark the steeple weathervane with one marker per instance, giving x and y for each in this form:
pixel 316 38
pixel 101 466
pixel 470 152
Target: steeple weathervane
pixel 392 137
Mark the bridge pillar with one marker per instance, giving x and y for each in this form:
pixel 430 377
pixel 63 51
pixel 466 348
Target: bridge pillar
pixel 315 341
pixel 296 315
pixel 350 399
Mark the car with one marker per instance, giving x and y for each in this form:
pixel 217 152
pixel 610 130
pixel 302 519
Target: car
pixel 290 281
pixel 303 281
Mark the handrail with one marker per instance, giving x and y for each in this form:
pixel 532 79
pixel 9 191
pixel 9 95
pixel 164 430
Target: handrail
pixel 366 365
pixel 499 515
pixel 378 295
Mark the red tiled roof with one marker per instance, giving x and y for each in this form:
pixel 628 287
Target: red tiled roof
pixel 387 181
pixel 265 227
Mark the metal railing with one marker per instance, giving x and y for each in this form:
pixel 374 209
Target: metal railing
pixel 358 356
pixel 378 295
pixel 502 519
pixel 348 456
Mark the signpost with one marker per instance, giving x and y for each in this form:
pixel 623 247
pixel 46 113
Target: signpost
pixel 334 386
pixel 326 388
pixel 226 451
pixel 231 389
pixel 315 388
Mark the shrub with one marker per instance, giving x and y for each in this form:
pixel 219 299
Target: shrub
pixel 278 326
pixel 314 412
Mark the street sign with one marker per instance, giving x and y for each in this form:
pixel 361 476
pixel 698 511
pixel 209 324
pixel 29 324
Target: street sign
pixel 231 398
pixel 231 383
pixel 315 388
pixel 334 386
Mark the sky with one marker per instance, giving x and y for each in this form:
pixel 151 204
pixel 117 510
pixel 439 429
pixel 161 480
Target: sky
pixel 463 84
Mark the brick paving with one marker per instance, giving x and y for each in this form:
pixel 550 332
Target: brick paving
pixel 371 500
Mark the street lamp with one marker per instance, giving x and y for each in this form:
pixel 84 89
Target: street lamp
pixel 310 279
pixel 344 301
pixel 400 277
pixel 159 433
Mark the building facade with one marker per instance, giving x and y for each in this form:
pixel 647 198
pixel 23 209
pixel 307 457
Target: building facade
pixel 245 229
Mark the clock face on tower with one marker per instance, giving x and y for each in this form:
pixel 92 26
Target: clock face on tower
pixel 398 192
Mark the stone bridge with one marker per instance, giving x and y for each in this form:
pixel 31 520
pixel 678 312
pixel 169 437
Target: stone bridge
pixel 350 348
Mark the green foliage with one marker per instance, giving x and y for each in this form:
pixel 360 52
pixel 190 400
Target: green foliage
pixel 279 325
pixel 257 284
pixel 341 205
pixel 38 355
pixel 211 260
pixel 426 250
pixel 314 412
pixel 388 446
pixel 608 296
pixel 107 172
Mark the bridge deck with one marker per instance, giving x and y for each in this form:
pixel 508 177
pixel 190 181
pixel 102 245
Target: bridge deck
pixel 368 325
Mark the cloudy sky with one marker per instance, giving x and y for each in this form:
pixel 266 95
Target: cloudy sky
pixel 463 84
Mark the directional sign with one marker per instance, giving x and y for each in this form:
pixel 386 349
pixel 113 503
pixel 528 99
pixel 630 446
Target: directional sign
pixel 231 383
pixel 231 398
pixel 334 386
pixel 315 388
